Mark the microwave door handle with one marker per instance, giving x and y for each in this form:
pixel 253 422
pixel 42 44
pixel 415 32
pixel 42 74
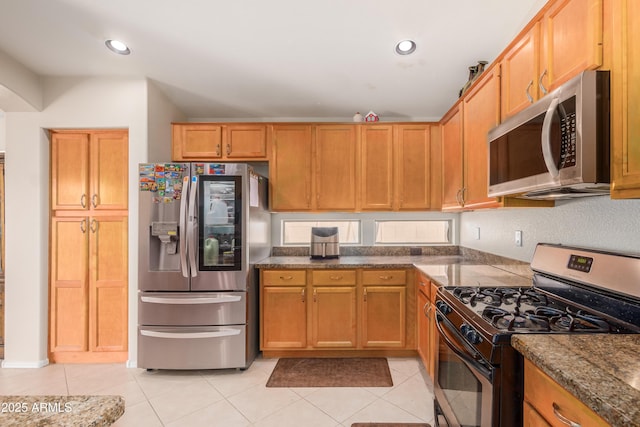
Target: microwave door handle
pixel 192 239
pixel 182 226
pixel 549 161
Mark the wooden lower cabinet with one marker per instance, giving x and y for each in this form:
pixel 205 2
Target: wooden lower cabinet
pixel 335 310
pixel 88 289
pixel 547 403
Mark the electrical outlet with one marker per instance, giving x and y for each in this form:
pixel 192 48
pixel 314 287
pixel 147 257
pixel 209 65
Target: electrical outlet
pixel 477 233
pixel 518 238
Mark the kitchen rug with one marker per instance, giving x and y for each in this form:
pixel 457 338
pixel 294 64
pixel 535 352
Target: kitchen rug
pixel 331 372
pixel 390 425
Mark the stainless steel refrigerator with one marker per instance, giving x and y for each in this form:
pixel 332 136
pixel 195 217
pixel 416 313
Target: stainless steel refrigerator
pixel 202 228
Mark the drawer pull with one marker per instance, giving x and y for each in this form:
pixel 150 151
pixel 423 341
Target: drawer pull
pixel 385 277
pixel 286 278
pixel 562 418
pixel 335 277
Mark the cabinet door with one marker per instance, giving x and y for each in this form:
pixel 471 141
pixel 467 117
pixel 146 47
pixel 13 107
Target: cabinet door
pixel 109 153
pixel 290 169
pixel 625 108
pixel 335 150
pixel 68 292
pixel 480 115
pixel 108 274
pixel 377 167
pixel 333 317
pixel 197 141
pixel 413 167
pixel 452 159
pixel 245 141
pixel 383 316
pixel 519 70
pixel 572 40
pixel 283 317
pixel 69 171
pixel 423 329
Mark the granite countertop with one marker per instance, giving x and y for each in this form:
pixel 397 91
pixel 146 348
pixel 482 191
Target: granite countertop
pixel 60 411
pixel 445 270
pixel 603 371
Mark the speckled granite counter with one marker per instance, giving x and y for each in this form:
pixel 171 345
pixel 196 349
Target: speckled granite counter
pixel 60 411
pixel 447 270
pixel 603 371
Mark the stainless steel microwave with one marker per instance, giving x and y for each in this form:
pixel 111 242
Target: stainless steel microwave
pixel 556 148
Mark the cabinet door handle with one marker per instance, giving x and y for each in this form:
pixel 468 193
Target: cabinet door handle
pixel 286 278
pixel 335 278
pixel 302 294
pixel 426 309
pixel 93 226
pixel 526 91
pixel 540 84
pixel 218 154
pixel 365 294
pixel 83 200
pixel 462 191
pixel 562 418
pixel 228 148
pixel 94 200
pixel 315 295
pixel 83 226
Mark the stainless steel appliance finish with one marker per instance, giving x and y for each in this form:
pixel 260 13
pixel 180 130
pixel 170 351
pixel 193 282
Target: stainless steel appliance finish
pixel 478 380
pixel 324 243
pixel 202 227
pixel 556 148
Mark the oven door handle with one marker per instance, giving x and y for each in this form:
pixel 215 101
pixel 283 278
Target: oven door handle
pixel 473 361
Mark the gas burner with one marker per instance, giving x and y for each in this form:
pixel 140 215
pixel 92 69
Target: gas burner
pixel 511 320
pixel 499 296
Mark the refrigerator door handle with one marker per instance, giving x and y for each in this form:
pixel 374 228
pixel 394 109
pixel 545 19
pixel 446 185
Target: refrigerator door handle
pixel 192 220
pixel 206 300
pixel 190 335
pixel 182 226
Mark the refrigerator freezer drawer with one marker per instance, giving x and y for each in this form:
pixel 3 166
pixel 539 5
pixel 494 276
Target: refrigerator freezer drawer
pixel 216 347
pixel 192 309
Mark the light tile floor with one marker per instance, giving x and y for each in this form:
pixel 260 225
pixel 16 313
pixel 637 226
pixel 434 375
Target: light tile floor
pixel 232 398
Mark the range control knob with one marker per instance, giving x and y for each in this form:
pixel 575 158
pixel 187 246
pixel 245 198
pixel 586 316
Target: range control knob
pixel 470 334
pixel 443 307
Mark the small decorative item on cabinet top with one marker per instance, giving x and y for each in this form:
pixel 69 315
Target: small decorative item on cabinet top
pixel 474 72
pixel 357 117
pixel 371 117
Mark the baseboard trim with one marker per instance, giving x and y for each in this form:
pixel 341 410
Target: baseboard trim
pixel 7 364
pixel 132 364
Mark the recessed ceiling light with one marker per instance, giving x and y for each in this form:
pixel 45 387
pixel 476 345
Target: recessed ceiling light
pixel 405 47
pixel 118 47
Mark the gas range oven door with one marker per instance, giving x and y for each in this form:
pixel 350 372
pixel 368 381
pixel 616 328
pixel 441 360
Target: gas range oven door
pixel 463 381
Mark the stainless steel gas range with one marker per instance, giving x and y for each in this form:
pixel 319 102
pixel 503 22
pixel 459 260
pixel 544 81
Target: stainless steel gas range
pixel 479 376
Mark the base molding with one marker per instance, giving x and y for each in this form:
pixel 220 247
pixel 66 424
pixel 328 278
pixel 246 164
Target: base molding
pixel 269 354
pixel 89 357
pixel 8 364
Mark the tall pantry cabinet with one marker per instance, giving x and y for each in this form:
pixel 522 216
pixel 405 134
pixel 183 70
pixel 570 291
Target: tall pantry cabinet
pixel 88 246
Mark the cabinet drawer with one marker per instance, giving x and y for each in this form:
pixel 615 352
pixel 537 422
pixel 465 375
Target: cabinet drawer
pixel 284 277
pixel 384 277
pixel 334 277
pixel 552 401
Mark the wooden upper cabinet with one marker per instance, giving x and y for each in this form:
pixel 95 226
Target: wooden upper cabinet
pixel 89 170
pixel 625 109
pixel 197 141
pixel 413 171
pixel 69 171
pixel 565 40
pixel 219 141
pixel 572 40
pixel 335 149
pixel 290 169
pixel 452 184
pixel 481 113
pixel 109 175
pixel 519 69
pixel 377 166
pixel 245 141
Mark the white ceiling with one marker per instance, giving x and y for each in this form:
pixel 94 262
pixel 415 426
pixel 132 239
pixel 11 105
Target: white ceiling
pixel 271 60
